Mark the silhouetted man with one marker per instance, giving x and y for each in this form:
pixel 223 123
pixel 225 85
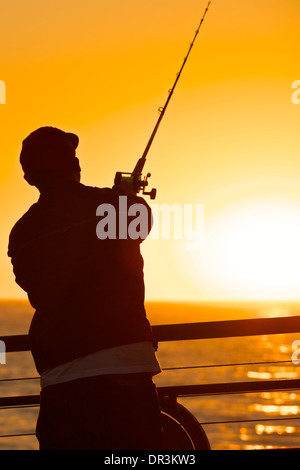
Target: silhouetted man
pixel 90 338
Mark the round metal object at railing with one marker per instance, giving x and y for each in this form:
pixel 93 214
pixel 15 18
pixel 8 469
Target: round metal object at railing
pixel 182 431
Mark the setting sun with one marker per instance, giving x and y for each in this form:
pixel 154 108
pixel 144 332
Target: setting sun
pixel 258 248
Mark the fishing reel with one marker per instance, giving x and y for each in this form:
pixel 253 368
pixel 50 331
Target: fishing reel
pixel 136 181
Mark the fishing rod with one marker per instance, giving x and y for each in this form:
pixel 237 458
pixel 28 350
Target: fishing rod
pixel 135 179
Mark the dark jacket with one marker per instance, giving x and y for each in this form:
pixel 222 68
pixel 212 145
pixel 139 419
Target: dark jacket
pixel 88 293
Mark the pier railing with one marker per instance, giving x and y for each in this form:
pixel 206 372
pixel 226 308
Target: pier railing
pixel 193 331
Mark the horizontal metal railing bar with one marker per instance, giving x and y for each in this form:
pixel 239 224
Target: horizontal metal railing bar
pixel 18 435
pixel 230 388
pixel 21 400
pixel 187 390
pixel 227 328
pixel 199 330
pixel 16 343
pixel 24 407
pixel 230 364
pixel 254 420
pixel 19 378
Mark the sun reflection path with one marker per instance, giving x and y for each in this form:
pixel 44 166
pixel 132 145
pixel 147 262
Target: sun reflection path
pixel 282 410
pixel 270 429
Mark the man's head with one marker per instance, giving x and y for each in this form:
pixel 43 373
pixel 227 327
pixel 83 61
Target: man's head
pixel 49 151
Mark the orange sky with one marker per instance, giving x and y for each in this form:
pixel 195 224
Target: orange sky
pixel 229 139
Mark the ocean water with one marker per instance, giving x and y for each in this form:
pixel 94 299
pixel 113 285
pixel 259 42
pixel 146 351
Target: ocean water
pixel 238 422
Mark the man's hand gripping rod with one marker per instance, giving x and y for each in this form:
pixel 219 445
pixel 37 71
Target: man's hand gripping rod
pixel 135 179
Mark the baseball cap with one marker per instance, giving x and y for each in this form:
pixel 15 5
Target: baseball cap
pixel 48 148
